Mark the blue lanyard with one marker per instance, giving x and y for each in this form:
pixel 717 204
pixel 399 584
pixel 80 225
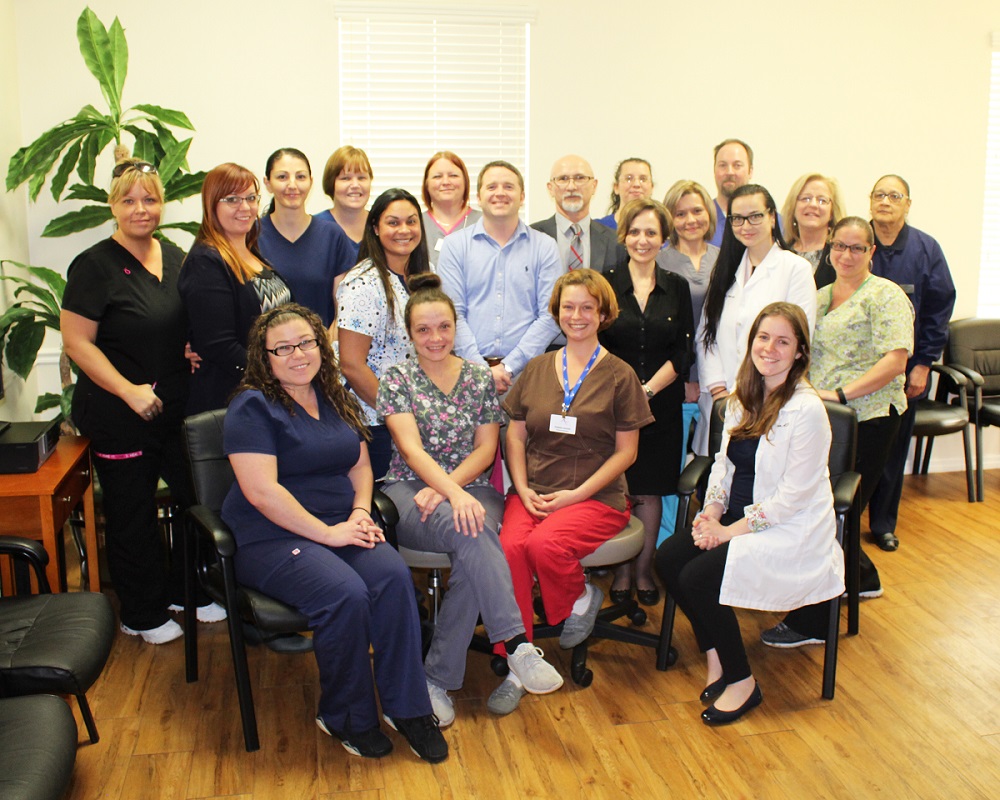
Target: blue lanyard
pixel 570 394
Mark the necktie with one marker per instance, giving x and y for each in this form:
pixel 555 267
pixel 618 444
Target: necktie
pixel 574 258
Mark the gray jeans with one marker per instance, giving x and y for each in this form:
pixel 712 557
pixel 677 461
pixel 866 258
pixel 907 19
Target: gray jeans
pixel 479 583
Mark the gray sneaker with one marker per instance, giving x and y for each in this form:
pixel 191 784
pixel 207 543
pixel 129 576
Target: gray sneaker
pixel 578 627
pixel 444 709
pixel 784 637
pixel 536 675
pixel 506 697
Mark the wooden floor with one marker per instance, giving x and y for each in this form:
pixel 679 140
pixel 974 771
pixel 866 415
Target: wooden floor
pixel 916 714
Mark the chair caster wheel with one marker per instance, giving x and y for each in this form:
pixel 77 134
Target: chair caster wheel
pixel 582 676
pixel 638 617
pixel 499 666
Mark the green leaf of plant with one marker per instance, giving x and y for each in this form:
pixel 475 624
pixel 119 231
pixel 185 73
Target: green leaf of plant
pixel 51 278
pixel 30 159
pixel 159 234
pixel 67 402
pixel 183 185
pixel 168 115
pixel 88 112
pixel 187 227
pixel 119 55
pixel 165 139
pixel 65 168
pixel 48 302
pixel 81 191
pixel 76 221
pixel 87 165
pixel 23 342
pixel 47 401
pixel 12 315
pixel 95 47
pixel 172 159
pixel 36 181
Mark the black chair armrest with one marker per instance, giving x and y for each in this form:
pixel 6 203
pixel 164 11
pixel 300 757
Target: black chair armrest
pixel 974 377
pixel 951 381
pixel 26 551
pixel 208 521
pixel 844 492
pixel 386 516
pixel 693 474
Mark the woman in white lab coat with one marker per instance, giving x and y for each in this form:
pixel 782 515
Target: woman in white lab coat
pixel 766 536
pixel 754 268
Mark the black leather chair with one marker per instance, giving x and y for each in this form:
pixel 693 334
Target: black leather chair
pixel 51 643
pixel 974 350
pixel 844 426
pixel 209 551
pixel 37 747
pixel 947 413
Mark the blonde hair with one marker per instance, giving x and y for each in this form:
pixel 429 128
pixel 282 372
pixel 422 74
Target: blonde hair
pixel 683 188
pixel 789 227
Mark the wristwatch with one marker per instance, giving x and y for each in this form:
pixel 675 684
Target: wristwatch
pixel 649 392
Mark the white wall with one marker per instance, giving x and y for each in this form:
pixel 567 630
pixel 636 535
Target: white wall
pixel 855 90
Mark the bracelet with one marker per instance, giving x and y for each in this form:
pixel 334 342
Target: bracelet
pixel 841 396
pixel 359 508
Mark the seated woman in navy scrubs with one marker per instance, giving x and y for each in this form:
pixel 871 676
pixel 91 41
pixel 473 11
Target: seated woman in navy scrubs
pixel 300 513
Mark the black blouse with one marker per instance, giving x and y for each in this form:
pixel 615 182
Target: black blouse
pixel 646 340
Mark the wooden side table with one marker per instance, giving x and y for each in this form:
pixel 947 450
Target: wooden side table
pixel 37 506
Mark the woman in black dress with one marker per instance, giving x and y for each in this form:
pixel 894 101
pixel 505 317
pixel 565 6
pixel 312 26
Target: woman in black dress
pixel 653 334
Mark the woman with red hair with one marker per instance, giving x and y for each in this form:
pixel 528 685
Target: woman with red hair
pixel 226 284
pixel 446 195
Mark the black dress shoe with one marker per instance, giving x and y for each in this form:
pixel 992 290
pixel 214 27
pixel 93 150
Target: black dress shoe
pixel 712 715
pixel 619 596
pixel 886 541
pixel 713 690
pixel 648 597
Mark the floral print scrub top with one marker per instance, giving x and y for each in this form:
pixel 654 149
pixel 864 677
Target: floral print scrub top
pixel 447 423
pixel 849 340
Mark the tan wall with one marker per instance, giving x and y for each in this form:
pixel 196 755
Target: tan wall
pixel 854 89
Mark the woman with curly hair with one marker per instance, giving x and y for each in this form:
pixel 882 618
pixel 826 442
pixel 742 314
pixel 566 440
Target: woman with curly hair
pixel 300 510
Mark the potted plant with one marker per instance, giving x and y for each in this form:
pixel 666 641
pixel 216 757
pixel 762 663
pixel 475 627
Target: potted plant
pixel 76 144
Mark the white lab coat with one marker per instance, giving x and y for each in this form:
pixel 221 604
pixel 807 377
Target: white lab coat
pixel 791 558
pixel 782 275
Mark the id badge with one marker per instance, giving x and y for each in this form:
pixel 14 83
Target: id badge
pixel 438 245
pixel 560 424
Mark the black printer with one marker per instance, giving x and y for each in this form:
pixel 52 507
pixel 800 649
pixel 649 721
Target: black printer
pixel 24 446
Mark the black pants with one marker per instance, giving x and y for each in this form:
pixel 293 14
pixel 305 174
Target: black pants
pixel 693 577
pixel 137 556
pixel 876 437
pixel 884 507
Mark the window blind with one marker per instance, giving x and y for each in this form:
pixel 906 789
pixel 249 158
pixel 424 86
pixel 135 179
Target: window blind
pixel 989 267
pixel 416 82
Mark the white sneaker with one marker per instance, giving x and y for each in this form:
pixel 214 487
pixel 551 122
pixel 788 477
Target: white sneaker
pixel 444 709
pixel 167 632
pixel 536 674
pixel 213 612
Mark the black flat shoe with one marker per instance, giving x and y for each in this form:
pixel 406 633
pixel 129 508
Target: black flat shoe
pixel 648 597
pixel 713 690
pixel 887 542
pixel 619 596
pixel 712 715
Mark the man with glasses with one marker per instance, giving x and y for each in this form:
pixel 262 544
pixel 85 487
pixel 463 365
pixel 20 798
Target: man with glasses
pixel 500 274
pixel 582 241
pixel 914 261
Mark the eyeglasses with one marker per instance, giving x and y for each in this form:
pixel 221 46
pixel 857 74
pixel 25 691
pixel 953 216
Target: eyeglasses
pixel 237 200
pixel 857 249
pixel 287 349
pixel 893 197
pixel 755 218
pixel 819 200
pixel 562 181
pixel 640 179
pixel 138 166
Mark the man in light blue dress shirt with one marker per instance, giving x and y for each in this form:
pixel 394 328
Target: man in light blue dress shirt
pixel 500 274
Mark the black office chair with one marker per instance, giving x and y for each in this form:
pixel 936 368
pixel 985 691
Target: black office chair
pixel 51 643
pixel 844 426
pixel 212 477
pixel 37 747
pixel 947 413
pixel 974 350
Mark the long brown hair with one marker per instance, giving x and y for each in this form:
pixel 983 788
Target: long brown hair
pixel 327 382
pixel 760 412
pixel 224 180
